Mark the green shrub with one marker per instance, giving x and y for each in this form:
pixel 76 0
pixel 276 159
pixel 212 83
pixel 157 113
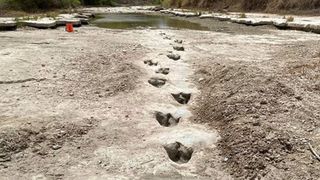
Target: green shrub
pixel 31 5
pixel 98 2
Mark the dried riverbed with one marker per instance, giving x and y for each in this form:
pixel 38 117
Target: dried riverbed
pixel 240 102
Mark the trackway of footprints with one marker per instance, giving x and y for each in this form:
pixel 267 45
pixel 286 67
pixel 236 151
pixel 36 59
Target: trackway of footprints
pixel 176 151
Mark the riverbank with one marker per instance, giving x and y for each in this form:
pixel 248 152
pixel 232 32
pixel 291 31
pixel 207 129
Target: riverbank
pixel 266 6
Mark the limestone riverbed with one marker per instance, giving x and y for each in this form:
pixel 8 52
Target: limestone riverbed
pixel 235 102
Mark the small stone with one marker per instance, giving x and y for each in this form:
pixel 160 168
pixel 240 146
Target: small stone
pixel 56 147
pixel 43 65
pixel 201 79
pixel 71 94
pixel 127 116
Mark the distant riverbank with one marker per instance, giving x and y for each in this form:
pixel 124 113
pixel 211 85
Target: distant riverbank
pixel 270 6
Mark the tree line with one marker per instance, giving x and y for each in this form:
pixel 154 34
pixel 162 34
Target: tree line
pixel 31 5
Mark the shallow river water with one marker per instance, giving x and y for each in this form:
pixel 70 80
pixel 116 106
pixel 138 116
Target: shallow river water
pixel 133 21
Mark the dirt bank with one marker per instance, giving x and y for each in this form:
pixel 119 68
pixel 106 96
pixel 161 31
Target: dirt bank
pixel 262 92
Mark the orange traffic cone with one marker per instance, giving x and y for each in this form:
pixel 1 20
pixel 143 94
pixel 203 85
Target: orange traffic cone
pixel 69 27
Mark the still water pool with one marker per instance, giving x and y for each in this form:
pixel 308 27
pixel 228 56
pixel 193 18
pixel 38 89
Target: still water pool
pixel 134 21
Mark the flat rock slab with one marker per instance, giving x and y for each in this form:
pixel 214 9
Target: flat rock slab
pixel 165 11
pixel 315 28
pixel 204 16
pixel 280 23
pixel 252 21
pixel 41 24
pixel 89 15
pixel 75 17
pixel 8 24
pixel 184 14
pixel 81 16
pixel 305 25
pixel 84 21
pixel 222 18
pixel 74 22
pixel 67 16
